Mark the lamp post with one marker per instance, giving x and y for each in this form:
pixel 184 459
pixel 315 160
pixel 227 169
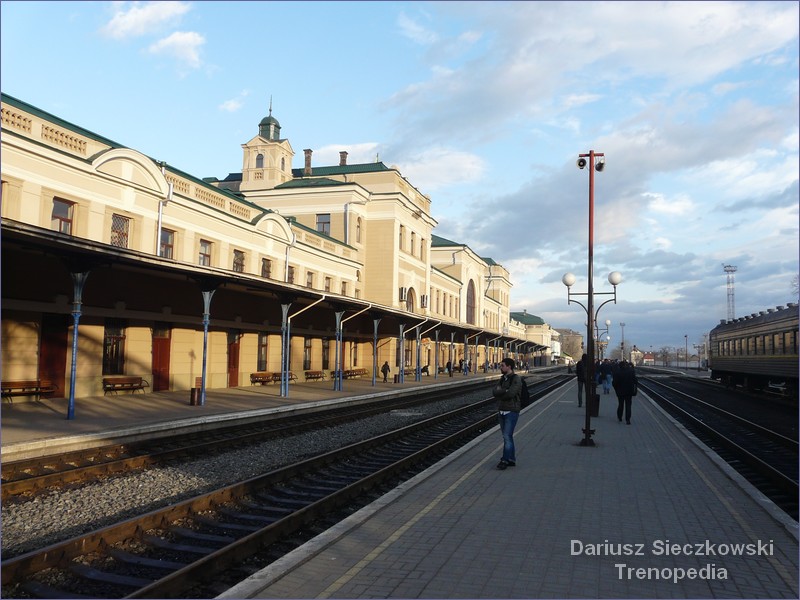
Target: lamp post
pixel 596 162
pixel 686 351
pixel 622 343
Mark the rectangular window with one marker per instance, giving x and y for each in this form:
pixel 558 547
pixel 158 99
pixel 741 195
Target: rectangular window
pixel 266 268
pixel 309 280
pixel 262 352
pixel 344 288
pixel 413 242
pixel 238 261
pixel 62 215
pixel 324 224
pixel 167 243
pixel 326 353
pixel 114 347
pixel 306 354
pixel 290 275
pixel 205 253
pixel 120 229
pixel 327 284
pixel 402 236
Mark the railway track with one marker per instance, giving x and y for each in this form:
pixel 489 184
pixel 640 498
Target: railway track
pixel 178 550
pixel 34 475
pixel 766 458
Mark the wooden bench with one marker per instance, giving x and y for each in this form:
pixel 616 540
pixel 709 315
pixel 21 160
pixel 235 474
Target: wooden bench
pixel 127 383
pixel 27 387
pixel 351 373
pixel 265 377
pixel 315 375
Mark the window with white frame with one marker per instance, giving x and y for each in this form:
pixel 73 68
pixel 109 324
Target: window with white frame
pixel 205 253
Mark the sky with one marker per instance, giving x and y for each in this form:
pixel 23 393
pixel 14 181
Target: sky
pixel 485 107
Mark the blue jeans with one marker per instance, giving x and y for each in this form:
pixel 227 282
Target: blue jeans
pixel 507 424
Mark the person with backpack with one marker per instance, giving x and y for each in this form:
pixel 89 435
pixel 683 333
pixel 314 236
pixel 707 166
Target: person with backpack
pixel 508 392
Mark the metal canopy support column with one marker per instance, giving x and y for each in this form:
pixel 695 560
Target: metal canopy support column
pixel 285 337
pixel 337 360
pixel 418 369
pixel 375 322
pixel 402 353
pixel 436 354
pixel 452 352
pixel 78 281
pixel 207 296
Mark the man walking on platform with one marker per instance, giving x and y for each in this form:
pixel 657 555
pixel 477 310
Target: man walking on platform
pixel 508 392
pixel 625 386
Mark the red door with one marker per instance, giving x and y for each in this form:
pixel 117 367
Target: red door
pixel 161 347
pixel 53 353
pixel 233 359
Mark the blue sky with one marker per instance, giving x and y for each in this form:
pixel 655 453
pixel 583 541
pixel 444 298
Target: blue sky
pixel 485 107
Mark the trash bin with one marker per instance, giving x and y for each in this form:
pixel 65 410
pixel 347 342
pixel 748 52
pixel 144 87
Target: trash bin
pixel 194 397
pixel 397 378
pixel 594 405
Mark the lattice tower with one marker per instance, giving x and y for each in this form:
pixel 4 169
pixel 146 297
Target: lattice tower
pixel 730 270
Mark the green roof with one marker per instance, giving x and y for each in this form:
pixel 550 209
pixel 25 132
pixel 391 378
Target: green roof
pixel 342 169
pixel 305 183
pixel 527 319
pixel 437 240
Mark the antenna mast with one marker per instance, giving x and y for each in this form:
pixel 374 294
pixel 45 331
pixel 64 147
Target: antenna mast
pixel 730 270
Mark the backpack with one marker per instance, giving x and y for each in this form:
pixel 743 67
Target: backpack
pixel 524 395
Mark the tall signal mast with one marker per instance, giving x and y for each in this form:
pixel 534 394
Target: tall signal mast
pixel 730 270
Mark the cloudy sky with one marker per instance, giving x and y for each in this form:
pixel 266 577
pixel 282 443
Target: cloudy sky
pixel 485 107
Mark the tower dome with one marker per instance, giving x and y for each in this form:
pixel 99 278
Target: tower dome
pixel 269 128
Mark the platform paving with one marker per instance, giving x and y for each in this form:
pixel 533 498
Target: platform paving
pixel 554 526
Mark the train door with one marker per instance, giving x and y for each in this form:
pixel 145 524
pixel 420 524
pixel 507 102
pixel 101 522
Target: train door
pixel 161 350
pixel 53 353
pixel 233 358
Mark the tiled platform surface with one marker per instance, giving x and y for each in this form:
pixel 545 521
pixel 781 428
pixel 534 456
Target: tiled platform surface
pixel 553 526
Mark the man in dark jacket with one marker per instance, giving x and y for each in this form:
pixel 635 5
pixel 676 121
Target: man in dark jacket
pixel 507 392
pixel 625 386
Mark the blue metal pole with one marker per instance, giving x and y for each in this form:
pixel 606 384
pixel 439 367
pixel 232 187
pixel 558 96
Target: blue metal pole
pixel 284 348
pixel 78 281
pixel 402 350
pixel 207 296
pixel 418 370
pixel 375 350
pixel 436 355
pixel 337 379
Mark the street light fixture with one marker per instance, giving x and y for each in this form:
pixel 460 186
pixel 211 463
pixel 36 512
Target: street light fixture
pixel 596 162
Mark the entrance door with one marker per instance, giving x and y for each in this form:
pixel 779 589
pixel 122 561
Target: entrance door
pixel 233 359
pixel 161 348
pixel 53 353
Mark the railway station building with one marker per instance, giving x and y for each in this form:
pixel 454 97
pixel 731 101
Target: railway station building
pixel 116 264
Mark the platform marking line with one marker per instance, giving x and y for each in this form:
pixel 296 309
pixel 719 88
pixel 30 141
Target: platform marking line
pixel 738 517
pixel 398 533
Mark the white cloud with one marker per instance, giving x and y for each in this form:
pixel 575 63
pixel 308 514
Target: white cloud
pixel 182 45
pixel 231 105
pixel 141 18
pixel 439 167
pixel 415 32
pixel 677 206
pixel 234 104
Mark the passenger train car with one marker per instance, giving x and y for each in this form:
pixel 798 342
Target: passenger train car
pixel 757 351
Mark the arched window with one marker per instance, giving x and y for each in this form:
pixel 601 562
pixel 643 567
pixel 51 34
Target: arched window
pixel 260 161
pixel 471 303
pixel 283 164
pixel 410 300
